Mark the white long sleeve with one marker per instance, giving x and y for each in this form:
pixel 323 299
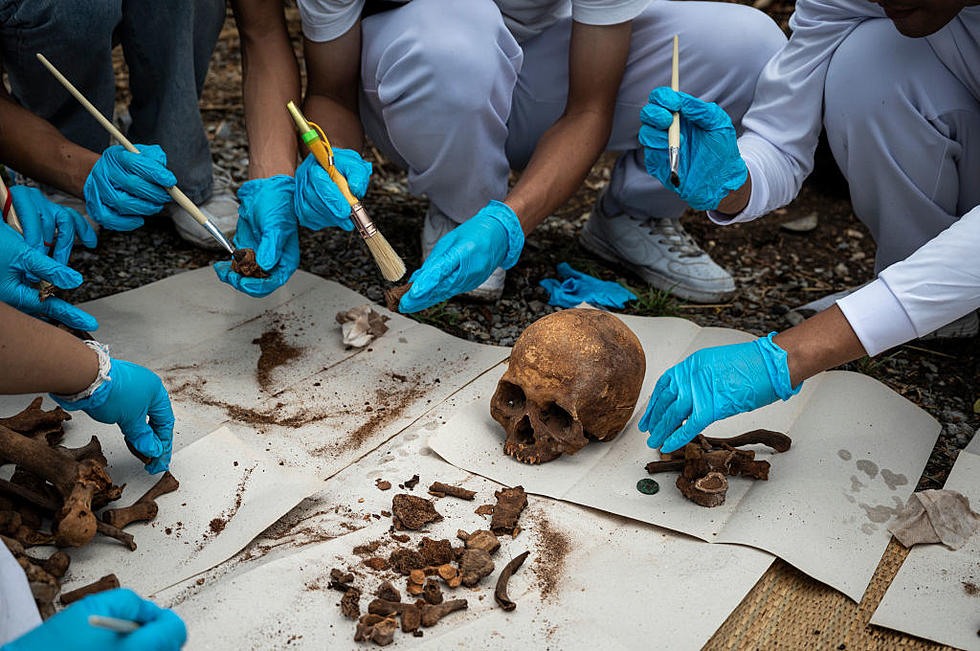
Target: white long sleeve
pixel 936 285
pixel 782 127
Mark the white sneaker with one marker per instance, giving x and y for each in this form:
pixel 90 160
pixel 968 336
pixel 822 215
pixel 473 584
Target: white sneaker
pixel 435 226
pixel 658 250
pixel 964 327
pixel 221 209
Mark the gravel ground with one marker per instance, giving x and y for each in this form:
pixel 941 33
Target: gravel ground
pixel 775 269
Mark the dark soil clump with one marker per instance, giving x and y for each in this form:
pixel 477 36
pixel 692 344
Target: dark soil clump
pixel 275 353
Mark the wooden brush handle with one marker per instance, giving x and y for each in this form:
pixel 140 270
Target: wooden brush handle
pixel 174 191
pixel 674 133
pixel 320 152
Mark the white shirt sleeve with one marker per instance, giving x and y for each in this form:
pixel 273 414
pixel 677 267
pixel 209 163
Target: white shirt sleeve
pixel 936 285
pixel 781 129
pixel 607 12
pixel 326 20
pixel 18 614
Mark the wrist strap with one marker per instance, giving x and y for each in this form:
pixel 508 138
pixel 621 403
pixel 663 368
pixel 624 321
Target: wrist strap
pixel 105 363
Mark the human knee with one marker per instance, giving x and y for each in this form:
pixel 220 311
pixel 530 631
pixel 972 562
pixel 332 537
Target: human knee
pixel 745 38
pixel 458 59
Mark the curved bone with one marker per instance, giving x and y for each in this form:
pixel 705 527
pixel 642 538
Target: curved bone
pixel 145 508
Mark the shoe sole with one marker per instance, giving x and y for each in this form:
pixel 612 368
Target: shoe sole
pixel 658 280
pixel 484 295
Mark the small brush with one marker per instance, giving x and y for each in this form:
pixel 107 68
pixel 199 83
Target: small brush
pixel 175 192
pixel 44 288
pixel 113 624
pixel 674 133
pixel 391 265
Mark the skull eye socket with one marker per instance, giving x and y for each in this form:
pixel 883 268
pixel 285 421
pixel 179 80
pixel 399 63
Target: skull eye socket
pixel 511 396
pixel 556 417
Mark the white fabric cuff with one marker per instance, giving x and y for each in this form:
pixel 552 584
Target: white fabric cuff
pixel 324 22
pixel 877 317
pixel 606 12
pixel 105 362
pixel 757 200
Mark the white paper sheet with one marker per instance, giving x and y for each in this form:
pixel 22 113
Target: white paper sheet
pixel 936 593
pixel 858 449
pixel 229 493
pixel 622 584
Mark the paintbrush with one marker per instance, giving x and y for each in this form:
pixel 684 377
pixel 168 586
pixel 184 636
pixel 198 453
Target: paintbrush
pixel 44 288
pixel 390 264
pixel 174 191
pixel 113 623
pixel 674 133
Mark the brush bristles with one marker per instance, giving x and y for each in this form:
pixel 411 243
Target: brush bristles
pixel 392 267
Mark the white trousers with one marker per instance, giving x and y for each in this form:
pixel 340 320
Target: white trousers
pixel 905 130
pixel 448 94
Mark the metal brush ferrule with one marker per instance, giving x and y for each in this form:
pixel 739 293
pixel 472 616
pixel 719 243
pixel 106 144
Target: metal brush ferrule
pixel 673 154
pixel 364 224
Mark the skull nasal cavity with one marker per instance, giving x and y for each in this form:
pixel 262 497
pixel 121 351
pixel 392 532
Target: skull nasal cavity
pixel 524 433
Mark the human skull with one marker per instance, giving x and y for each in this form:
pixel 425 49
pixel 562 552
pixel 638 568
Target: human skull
pixel 574 376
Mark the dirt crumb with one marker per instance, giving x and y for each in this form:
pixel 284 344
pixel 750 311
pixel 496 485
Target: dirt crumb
pixel 971 589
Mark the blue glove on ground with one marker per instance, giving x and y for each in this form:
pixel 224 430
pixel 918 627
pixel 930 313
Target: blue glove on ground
pixel 17 262
pixel 318 201
pixel 576 287
pixel 69 630
pixel 709 165
pixel 267 225
pixel 712 384
pixel 130 397
pixel 47 224
pixel 124 187
pixel 466 256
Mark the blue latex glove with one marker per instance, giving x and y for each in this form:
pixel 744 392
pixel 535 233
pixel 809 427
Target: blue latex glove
pixel 267 225
pixel 134 398
pixel 69 630
pixel 466 256
pixel 709 165
pixel 124 187
pixel 576 287
pixel 47 224
pixel 17 262
pixel 318 202
pixel 712 384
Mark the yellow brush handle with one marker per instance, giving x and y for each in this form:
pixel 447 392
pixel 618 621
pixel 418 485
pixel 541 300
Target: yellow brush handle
pixel 320 153
pixel 674 133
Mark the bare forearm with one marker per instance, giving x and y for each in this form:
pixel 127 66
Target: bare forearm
pixel 574 140
pixel 334 77
pixel 270 79
pixel 39 358
pixel 823 341
pixel 736 200
pixel 34 147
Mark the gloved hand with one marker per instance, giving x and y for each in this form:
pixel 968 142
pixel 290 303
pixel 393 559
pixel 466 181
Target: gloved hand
pixel 69 630
pixel 318 202
pixel 266 223
pixel 712 384
pixel 17 262
pixel 466 256
pixel 41 218
pixel 709 165
pixel 129 397
pixel 124 187
pixel 577 287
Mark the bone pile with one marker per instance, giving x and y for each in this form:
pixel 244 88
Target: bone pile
pixel 60 488
pixel 428 568
pixel 706 463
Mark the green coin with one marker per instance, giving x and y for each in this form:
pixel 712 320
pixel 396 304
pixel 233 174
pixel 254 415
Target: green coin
pixel 647 486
